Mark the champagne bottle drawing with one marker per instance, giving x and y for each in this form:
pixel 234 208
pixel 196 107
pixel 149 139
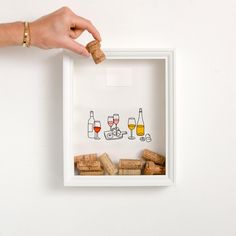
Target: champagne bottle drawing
pixel 91 125
pixel 140 128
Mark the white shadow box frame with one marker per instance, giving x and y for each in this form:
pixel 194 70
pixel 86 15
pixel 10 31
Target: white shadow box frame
pixel 77 102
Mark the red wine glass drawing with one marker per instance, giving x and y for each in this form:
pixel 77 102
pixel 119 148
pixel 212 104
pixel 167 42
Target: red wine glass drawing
pixel 97 128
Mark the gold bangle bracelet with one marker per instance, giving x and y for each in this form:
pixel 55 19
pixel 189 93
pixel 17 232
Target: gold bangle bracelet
pixel 26 36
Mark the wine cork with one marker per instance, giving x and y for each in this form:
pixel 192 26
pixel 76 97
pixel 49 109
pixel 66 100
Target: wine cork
pixel 98 172
pixel 85 157
pixel 130 164
pixel 107 164
pixel 152 169
pixel 88 168
pixel 94 47
pixel 88 164
pixel 153 156
pixel 129 172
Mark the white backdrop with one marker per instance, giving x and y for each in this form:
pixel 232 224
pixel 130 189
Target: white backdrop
pixel 33 200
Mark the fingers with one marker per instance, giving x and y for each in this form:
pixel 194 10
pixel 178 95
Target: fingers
pixel 82 23
pixel 76 47
pixel 75 33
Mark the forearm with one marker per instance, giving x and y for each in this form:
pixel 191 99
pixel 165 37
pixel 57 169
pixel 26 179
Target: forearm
pixel 11 34
pixel 56 30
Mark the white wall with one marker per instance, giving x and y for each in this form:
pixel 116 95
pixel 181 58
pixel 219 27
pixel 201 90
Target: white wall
pixel 33 200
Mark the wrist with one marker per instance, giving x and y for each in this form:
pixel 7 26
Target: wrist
pixel 17 33
pixel 11 34
pixel 33 33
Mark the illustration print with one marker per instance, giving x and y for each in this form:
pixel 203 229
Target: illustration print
pixel 131 126
pixel 114 132
pixel 94 127
pixel 136 128
pixel 91 125
pixel 97 128
pixel 140 129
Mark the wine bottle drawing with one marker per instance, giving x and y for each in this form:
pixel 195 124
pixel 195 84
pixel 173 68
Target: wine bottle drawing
pixel 140 128
pixel 91 125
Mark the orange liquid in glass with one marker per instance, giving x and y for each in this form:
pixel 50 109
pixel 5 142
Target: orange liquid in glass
pixel 97 129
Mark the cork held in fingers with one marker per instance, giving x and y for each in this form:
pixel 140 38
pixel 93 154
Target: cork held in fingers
pixel 94 47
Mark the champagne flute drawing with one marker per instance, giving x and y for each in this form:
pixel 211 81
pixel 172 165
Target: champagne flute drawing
pixel 116 120
pixel 110 121
pixel 131 126
pixel 97 128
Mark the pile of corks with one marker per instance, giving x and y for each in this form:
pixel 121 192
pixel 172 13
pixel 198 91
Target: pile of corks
pixel 151 163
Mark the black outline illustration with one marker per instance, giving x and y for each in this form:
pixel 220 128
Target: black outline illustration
pixel 88 125
pixel 140 120
pixel 96 136
pixel 114 133
pixel 131 137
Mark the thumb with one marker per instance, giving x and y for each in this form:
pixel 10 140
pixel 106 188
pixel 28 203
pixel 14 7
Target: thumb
pixel 76 47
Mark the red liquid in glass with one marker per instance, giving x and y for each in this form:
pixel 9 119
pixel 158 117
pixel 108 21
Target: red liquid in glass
pixel 97 129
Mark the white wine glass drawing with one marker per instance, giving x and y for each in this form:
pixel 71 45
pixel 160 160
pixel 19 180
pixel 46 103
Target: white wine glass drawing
pixel 97 128
pixel 110 121
pixel 131 126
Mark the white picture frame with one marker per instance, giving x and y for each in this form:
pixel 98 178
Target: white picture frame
pixel 70 179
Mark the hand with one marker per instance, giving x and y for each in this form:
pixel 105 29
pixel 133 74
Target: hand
pixel 59 29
